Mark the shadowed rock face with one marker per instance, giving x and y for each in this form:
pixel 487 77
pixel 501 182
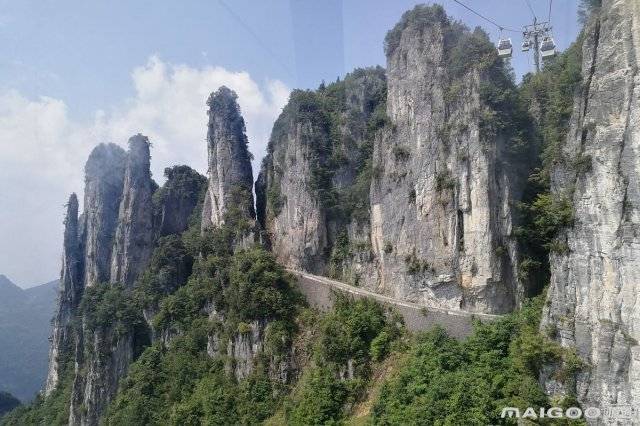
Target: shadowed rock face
pixel 69 294
pixel 134 234
pixel 593 296
pixel 177 199
pixel 230 174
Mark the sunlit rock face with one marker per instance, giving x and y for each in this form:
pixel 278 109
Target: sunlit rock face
pixel 441 185
pixel 134 234
pixel 230 174
pixel 593 297
pixel 104 180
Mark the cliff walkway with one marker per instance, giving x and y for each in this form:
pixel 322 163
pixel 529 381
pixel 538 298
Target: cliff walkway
pixel 459 324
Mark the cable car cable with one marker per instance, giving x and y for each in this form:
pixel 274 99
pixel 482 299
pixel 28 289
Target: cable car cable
pixel 500 27
pixel 550 3
pixel 531 9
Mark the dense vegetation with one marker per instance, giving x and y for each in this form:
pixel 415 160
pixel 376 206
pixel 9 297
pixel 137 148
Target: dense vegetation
pixel 350 338
pixel 550 96
pixel 444 381
pixel 52 410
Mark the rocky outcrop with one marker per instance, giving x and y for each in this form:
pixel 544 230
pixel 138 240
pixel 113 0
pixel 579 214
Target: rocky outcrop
pixel 426 214
pixel 177 200
pixel 230 174
pixel 313 187
pixel 104 178
pixel 134 233
pixel 110 242
pixel 103 355
pixel 69 295
pixel 245 348
pixel 593 297
pixel 441 206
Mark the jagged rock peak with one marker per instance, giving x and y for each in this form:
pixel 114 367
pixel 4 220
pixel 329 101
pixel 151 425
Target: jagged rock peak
pixel 134 234
pixel 139 154
pixel 69 294
pixel 414 20
pixel 230 174
pixel 104 178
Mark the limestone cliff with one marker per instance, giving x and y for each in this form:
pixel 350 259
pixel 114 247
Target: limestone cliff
pixel 69 295
pixel 134 234
pixel 110 242
pixel 441 206
pixel 313 188
pixel 230 175
pixel 108 352
pixel 104 178
pixel 593 296
pixel 440 172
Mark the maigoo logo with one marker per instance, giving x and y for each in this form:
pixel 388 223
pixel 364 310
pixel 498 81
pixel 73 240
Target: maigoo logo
pixel 551 413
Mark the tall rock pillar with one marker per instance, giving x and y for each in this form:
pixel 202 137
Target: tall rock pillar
pixel 230 175
pixel 134 234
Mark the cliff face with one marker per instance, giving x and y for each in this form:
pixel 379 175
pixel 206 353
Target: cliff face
pixel 313 189
pixel 102 355
pixel 176 201
pixel 110 242
pixel 69 295
pixel 230 175
pixel 592 300
pixel 104 177
pixel 109 249
pixel 440 176
pixel 441 205
pixel 134 234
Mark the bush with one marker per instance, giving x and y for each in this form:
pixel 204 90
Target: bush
pixel 400 153
pixel 109 306
pixel 445 381
pixel 444 181
pixel 353 334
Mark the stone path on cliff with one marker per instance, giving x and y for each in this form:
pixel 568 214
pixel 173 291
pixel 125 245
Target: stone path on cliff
pixel 459 324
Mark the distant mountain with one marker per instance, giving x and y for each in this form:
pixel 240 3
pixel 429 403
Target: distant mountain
pixel 7 402
pixel 25 323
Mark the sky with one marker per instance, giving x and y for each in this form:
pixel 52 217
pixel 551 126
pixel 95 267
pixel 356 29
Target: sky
pixel 77 73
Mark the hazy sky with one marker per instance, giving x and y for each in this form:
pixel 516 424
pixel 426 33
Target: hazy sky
pixel 77 73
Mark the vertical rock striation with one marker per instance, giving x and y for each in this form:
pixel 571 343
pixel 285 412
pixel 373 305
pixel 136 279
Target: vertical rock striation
pixel 441 214
pixel 134 234
pixel 110 242
pixel 110 353
pixel 313 188
pixel 68 296
pixel 593 296
pixel 104 178
pixel 426 213
pixel 230 174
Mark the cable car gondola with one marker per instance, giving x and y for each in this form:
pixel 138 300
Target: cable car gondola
pixel 505 48
pixel 526 45
pixel 548 47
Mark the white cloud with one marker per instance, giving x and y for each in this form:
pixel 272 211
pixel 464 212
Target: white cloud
pixel 43 150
